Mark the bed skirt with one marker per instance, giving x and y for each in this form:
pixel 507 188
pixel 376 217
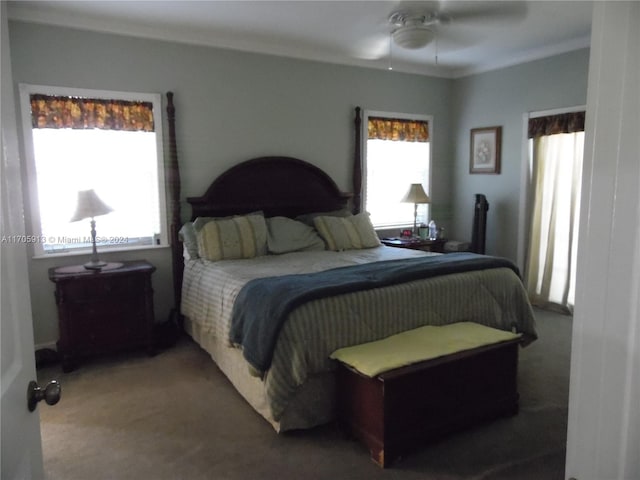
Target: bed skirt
pixel 312 405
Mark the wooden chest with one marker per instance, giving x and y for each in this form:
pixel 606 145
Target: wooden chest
pixel 402 408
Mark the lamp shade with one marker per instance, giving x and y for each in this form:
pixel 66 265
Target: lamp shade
pixel 416 194
pixel 89 206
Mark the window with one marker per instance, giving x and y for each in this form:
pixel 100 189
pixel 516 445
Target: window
pixel 556 150
pixel 110 142
pixel 397 153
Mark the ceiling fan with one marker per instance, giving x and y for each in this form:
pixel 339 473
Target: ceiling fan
pixel 418 24
pixel 415 30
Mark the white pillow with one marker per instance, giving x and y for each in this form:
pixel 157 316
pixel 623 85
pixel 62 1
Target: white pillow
pixel 189 240
pixel 346 233
pixel 287 235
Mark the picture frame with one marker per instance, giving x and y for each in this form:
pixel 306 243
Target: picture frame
pixel 485 146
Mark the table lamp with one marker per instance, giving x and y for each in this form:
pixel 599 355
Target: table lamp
pixel 90 206
pixel 415 195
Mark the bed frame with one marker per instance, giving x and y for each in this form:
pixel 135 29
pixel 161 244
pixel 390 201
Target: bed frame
pixel 277 186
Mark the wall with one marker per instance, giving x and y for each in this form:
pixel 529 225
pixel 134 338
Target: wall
pixel 230 106
pixel 501 97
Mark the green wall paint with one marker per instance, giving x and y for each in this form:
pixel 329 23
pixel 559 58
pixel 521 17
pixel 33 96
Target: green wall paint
pixel 502 97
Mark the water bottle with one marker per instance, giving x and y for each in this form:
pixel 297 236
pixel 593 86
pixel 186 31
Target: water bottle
pixel 433 230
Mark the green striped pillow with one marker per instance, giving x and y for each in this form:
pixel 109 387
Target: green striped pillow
pixel 347 233
pixel 231 238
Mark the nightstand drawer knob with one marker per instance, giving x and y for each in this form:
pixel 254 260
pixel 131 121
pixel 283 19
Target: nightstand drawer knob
pixel 50 394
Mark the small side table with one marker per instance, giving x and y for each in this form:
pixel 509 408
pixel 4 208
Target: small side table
pixel 103 311
pixel 415 243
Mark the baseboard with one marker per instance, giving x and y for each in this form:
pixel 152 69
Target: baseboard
pixel 49 345
pixel 46 354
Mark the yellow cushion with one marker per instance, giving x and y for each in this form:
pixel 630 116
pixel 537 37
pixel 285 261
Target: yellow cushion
pixel 346 233
pixel 417 345
pixel 244 236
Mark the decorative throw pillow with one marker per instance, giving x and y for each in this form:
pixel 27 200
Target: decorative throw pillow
pixel 287 235
pixel 200 222
pixel 308 218
pixel 346 233
pixel 243 236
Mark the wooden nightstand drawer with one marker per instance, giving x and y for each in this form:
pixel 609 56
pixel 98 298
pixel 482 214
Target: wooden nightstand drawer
pixel 107 326
pixel 103 311
pixel 96 289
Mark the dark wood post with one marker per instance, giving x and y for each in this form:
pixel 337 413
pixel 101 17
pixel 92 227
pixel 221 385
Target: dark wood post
pixel 173 184
pixel 357 164
pixel 479 233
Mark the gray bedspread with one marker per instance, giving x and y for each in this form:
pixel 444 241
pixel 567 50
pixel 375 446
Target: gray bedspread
pixel 263 304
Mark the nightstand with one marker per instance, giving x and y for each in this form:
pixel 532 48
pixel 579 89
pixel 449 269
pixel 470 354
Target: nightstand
pixel 416 243
pixel 103 311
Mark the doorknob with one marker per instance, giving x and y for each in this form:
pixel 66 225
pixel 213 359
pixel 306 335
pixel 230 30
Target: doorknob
pixel 50 394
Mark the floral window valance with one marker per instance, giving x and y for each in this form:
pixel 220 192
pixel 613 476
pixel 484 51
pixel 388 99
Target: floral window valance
pixel 554 124
pixel 397 129
pixel 49 111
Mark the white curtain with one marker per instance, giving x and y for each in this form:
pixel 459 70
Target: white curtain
pixel 551 262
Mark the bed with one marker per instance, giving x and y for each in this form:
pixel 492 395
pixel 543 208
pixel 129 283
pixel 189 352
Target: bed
pixel 270 226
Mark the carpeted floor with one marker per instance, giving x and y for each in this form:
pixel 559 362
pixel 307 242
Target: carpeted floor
pixel 175 416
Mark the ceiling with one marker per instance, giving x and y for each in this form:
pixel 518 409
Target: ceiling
pixel 480 36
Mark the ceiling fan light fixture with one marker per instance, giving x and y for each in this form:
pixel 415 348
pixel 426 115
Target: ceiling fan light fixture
pixel 412 36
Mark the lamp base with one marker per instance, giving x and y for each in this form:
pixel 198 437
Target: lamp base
pixel 95 265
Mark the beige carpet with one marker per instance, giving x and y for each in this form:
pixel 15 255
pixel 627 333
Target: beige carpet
pixel 175 416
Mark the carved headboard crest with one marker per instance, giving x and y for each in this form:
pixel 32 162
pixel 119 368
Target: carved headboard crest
pixel 275 185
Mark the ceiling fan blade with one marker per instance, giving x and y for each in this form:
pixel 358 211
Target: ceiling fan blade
pixel 451 39
pixel 371 47
pixel 485 12
pixel 419 6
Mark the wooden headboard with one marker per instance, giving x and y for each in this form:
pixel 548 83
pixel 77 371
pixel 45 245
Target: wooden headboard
pixel 283 186
pixel 278 186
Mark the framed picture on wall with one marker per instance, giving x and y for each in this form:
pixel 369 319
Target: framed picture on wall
pixel 485 150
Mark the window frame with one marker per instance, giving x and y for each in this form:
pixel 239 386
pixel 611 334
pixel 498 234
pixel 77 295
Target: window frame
pixel 33 210
pixel 365 139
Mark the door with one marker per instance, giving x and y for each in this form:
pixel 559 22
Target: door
pixel 604 394
pixel 20 429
